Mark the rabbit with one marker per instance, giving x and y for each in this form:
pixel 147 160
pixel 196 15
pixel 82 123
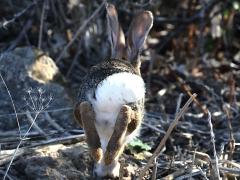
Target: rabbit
pixel 110 105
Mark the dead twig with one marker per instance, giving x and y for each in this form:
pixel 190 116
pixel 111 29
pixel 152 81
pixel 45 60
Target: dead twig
pixel 52 122
pixel 163 141
pixel 37 107
pixel 18 146
pixel 202 156
pixel 35 126
pixel 215 169
pixel 62 140
pixel 80 30
pixel 194 172
pixel 179 103
pixel 192 164
pixel 44 8
pixel 13 105
pixel 186 88
pixel 230 170
pixel 33 112
pixel 175 174
pixel 230 163
pixel 203 173
pixel 201 38
pixel 22 34
pixel 154 172
pixel 74 60
pixel 9 177
pixel 232 141
pixel 154 128
pixel 17 15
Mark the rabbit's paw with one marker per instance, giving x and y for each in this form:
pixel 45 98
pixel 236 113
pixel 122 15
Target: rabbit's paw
pixel 136 118
pixel 111 170
pixel 97 154
pixel 86 107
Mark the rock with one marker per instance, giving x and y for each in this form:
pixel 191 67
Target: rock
pixel 33 79
pixel 55 162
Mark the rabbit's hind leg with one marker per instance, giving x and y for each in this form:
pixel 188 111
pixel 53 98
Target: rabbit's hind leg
pixel 87 116
pixel 77 115
pixel 117 141
pixel 136 119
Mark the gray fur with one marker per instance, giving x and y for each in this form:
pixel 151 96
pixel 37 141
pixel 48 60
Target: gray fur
pixel 99 73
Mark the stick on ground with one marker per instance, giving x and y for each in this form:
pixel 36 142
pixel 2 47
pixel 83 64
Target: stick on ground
pixel 163 141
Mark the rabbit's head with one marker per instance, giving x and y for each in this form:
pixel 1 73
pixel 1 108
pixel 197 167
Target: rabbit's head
pixel 130 48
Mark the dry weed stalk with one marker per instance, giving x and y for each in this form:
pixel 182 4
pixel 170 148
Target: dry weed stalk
pixel 154 172
pixel 203 173
pixel 163 141
pixel 35 126
pixel 215 167
pixel 43 15
pixel 37 103
pixel 179 101
pixel 18 146
pixel 192 164
pixel 13 105
pixel 231 143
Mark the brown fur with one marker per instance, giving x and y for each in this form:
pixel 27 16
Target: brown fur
pixel 136 119
pixel 77 115
pixel 88 119
pixel 96 154
pixel 127 121
pixel 116 141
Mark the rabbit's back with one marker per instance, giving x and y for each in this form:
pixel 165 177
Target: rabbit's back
pixel 97 74
pixel 108 86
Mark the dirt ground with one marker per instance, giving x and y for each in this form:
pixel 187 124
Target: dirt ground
pixel 46 48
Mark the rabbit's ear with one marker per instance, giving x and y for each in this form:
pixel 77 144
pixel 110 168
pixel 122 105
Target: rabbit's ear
pixel 137 34
pixel 115 33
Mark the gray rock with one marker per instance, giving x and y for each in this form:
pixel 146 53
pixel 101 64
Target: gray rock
pixel 33 80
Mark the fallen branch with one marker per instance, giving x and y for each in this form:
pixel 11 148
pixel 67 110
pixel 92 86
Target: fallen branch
pixel 230 170
pixel 33 112
pixel 63 140
pixel 53 123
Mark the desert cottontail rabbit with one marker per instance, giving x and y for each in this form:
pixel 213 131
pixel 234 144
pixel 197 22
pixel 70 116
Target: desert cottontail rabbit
pixel 111 100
